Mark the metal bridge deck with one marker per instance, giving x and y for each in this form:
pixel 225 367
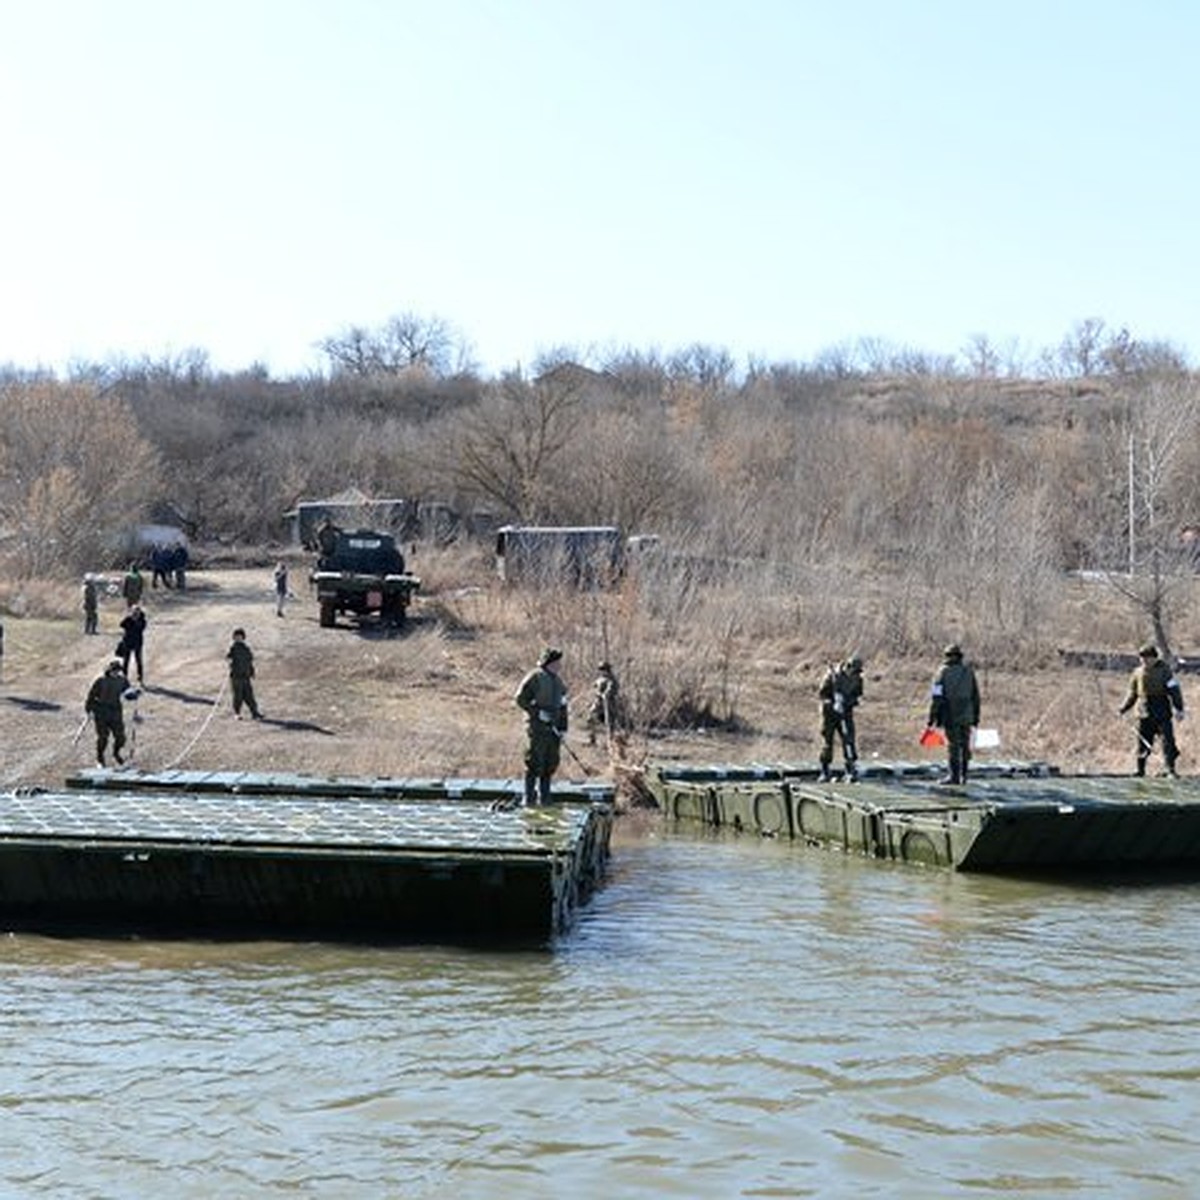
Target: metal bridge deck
pixel 288 822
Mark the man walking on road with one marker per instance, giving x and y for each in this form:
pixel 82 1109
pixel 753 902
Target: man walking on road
pixel 133 634
pixel 103 705
pixel 241 673
pixel 91 600
pixel 281 587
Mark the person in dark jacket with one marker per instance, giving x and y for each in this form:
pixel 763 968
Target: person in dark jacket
pixel 177 563
pixel 1159 698
pixel 542 696
pixel 133 635
pixel 91 601
pixel 103 705
pixel 241 673
pixel 159 563
pixel 954 707
pixel 839 692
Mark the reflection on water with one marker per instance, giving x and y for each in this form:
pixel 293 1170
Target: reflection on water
pixel 730 1018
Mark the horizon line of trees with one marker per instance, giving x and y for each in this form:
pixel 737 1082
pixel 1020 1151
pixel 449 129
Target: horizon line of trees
pixel 970 496
pixel 410 343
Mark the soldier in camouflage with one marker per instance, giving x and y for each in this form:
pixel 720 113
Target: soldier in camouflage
pixel 542 696
pixel 1155 690
pixel 241 675
pixel 840 690
pixel 103 704
pixel 607 710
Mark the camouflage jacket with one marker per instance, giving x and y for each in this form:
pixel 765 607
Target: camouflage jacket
pixel 1154 689
pixel 954 698
pixel 840 690
pixel 543 698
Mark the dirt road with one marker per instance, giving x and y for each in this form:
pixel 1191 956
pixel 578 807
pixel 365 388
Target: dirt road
pixel 335 701
pixel 435 700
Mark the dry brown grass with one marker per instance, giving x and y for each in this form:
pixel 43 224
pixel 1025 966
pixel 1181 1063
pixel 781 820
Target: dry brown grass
pixel 436 700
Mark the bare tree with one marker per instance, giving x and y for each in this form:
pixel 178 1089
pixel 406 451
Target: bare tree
pixel 983 359
pixel 1162 424
pixel 505 447
pixel 406 342
pixel 709 366
pixel 1080 352
pixel 627 471
pixel 77 475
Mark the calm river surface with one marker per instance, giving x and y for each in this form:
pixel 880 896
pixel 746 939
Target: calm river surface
pixel 730 1018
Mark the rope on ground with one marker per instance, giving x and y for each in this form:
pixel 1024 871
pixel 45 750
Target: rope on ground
pixel 212 712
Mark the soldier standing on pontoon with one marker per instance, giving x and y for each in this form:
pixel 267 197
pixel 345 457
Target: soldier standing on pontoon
pixel 542 696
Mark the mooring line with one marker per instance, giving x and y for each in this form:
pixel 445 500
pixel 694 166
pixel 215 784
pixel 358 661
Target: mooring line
pixel 212 712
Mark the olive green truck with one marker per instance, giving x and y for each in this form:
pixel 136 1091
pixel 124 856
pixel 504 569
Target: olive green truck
pixel 361 572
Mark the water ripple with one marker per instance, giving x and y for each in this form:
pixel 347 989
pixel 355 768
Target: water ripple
pixel 730 1018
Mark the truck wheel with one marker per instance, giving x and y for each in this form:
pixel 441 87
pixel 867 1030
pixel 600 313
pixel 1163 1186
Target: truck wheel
pixel 327 613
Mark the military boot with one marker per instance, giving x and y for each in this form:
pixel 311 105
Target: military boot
pixel 530 789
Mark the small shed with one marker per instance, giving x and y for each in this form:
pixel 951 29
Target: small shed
pixel 584 555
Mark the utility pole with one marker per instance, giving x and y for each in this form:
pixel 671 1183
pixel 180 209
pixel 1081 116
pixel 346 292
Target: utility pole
pixel 1132 506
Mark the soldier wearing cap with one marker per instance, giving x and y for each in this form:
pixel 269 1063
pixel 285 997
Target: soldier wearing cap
pixel 104 705
pixel 542 696
pixel 954 707
pixel 1155 690
pixel 839 692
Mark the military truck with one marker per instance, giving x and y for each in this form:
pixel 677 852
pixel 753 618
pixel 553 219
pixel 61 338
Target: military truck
pixel 361 571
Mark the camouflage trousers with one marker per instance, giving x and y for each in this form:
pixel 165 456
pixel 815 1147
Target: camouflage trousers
pixel 958 751
pixel 1148 728
pixel 541 761
pixel 109 724
pixel 841 726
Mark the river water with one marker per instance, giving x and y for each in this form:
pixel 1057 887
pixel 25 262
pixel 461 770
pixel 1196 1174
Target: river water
pixel 730 1017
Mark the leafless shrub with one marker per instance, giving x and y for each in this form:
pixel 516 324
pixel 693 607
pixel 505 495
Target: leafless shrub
pixel 75 474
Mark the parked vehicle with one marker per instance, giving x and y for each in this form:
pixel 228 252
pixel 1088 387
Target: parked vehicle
pixel 362 572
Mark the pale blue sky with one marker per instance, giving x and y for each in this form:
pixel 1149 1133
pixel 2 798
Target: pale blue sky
pixel 770 176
